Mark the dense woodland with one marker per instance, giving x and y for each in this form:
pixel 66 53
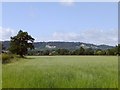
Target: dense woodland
pixel 80 51
pixel 64 51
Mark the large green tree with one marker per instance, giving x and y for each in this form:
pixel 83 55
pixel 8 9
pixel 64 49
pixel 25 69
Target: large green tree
pixel 20 43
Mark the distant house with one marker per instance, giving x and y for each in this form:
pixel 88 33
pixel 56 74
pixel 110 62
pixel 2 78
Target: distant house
pixel 50 46
pixel 84 46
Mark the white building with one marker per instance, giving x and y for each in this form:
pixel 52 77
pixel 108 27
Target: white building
pixel 49 46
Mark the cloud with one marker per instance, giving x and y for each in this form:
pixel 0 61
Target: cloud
pixel 67 2
pixel 109 37
pixel 65 36
pixel 95 36
pixel 89 36
pixel 6 33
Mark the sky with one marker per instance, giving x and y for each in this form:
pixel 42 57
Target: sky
pixel 88 22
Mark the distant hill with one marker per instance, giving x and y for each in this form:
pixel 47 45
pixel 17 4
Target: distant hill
pixel 63 45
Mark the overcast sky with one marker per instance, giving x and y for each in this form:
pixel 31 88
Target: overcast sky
pixel 62 21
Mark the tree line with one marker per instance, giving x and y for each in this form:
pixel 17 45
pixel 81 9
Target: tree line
pixel 22 44
pixel 80 51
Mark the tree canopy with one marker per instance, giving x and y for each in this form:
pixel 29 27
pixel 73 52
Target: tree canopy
pixel 20 43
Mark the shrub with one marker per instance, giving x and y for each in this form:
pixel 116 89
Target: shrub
pixel 6 58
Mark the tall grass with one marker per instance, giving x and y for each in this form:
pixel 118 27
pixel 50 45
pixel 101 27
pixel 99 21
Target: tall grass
pixel 0 71
pixel 62 72
pixel 7 57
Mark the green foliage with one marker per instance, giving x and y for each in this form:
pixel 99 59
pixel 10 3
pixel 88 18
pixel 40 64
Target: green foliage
pixel 82 51
pixel 62 52
pixel 46 52
pixel 100 52
pixel 53 53
pixel 89 51
pixel 20 43
pixel 110 52
pixel 6 58
pixel 71 47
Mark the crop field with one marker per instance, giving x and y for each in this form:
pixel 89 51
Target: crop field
pixel 61 72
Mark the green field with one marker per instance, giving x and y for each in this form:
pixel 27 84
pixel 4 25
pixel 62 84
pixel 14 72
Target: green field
pixel 62 72
pixel 0 73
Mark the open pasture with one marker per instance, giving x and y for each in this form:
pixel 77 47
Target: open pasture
pixel 61 72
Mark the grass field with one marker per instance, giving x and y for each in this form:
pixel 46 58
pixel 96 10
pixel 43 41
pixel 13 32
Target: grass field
pixel 62 72
pixel 0 73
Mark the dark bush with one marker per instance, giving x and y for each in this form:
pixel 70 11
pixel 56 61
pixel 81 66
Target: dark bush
pixel 7 58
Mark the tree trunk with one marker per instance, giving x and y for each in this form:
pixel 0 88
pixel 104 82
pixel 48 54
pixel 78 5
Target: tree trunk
pixel 21 55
